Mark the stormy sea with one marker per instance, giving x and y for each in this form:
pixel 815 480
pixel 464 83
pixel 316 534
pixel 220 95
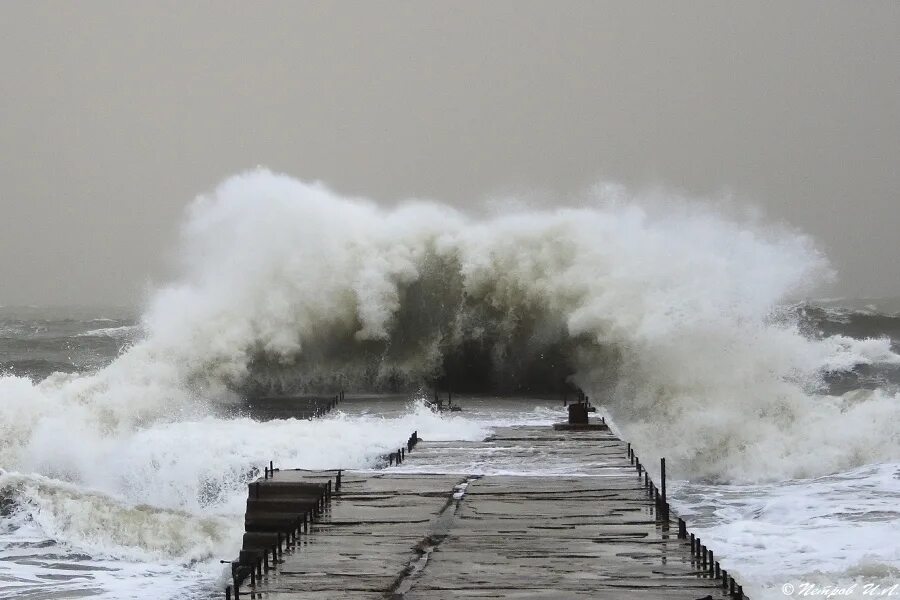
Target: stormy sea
pixel 124 455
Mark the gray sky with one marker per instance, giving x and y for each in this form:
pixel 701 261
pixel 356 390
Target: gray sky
pixel 113 115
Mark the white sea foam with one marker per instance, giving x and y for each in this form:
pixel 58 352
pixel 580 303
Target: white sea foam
pixel 123 332
pixel 670 316
pixel 835 530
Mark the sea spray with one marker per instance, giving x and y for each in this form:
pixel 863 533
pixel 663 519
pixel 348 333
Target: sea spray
pixel 670 319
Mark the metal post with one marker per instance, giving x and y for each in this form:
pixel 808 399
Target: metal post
pixel 227 592
pixel 718 571
pixel 712 563
pixel 724 579
pixel 662 478
pixel 337 483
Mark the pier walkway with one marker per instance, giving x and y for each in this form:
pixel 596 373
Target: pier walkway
pixel 405 533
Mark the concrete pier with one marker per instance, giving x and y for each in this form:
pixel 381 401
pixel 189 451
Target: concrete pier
pixel 410 535
pixel 268 408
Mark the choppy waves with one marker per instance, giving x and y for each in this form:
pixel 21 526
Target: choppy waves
pixel 673 319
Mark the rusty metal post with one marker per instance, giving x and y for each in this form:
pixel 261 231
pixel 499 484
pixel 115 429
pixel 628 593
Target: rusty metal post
pixel 712 563
pixel 227 592
pixel 337 482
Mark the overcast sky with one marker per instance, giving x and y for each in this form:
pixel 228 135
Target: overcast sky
pixel 114 115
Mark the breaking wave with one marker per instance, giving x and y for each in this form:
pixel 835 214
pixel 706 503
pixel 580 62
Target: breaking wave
pixel 673 319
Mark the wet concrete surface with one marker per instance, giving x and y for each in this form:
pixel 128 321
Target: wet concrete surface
pixel 407 534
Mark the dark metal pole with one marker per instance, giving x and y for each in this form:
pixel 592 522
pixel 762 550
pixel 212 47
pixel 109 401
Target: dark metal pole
pixel 662 478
